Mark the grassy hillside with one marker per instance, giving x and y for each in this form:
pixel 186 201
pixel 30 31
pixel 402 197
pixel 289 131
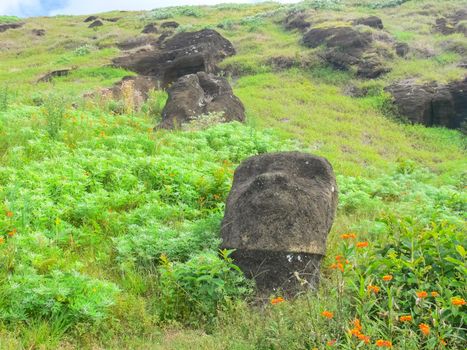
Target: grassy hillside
pixel 109 230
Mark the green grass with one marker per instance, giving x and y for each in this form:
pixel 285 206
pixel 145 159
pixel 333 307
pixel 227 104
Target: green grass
pixel 109 230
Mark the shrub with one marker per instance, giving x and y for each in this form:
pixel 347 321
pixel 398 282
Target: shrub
pixel 54 110
pixel 193 292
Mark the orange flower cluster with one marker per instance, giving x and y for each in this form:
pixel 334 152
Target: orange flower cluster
pixel 349 236
pixel 405 318
pixel 331 342
pixel 458 301
pixel 2 240
pixel 422 294
pixel 356 332
pixel 434 294
pixel 277 300
pixel 9 214
pixel 340 263
pixel 373 289
pixel 383 343
pixel 424 328
pixel 362 244
pixel 387 278
pixel 327 314
pixel 12 233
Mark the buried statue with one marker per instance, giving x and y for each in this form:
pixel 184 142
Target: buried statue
pixel 277 219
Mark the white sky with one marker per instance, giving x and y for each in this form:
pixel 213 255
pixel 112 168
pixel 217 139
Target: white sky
pixel 24 8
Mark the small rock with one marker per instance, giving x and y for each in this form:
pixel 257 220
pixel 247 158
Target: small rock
pixel 402 49
pixel 95 24
pixel 296 20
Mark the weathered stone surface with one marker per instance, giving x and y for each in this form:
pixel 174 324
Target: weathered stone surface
pixel 149 28
pixel 90 19
pixel 372 21
pixel 54 74
pixel 296 20
pixel 97 23
pixel 432 104
pixel 7 26
pixel 277 217
pixel 347 48
pixel 196 94
pixel 182 54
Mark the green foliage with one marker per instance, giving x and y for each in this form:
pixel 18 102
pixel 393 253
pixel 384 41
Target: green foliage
pixel 195 291
pixel 171 12
pixel 5 96
pixel 9 19
pixel 318 4
pixel 155 104
pixel 54 111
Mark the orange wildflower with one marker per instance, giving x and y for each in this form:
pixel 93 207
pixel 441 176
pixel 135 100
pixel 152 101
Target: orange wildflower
pixel 357 324
pixel 405 318
pixel 424 328
pixel 383 343
pixel 362 244
pixel 9 214
pixel 2 240
pixel 12 232
pixel 374 289
pixel 349 236
pixel 387 277
pixel 366 339
pixel 422 294
pixel 434 294
pixel 339 258
pixel 327 314
pixel 443 342
pixel 458 301
pixel 338 266
pixel 277 300
pixel 331 342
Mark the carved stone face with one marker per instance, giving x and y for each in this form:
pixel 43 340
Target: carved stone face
pixel 281 202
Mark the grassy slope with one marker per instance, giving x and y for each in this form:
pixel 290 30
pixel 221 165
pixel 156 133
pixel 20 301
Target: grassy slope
pixel 303 105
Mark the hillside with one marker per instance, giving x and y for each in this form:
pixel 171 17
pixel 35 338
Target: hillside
pixel 109 229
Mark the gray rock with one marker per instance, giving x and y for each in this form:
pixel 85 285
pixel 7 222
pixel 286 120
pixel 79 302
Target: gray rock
pixel 277 218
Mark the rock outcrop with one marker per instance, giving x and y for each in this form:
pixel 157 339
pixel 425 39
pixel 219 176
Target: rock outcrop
pixel 182 54
pixel 170 24
pixel 198 94
pixel 277 218
pixel 432 104
pixel 7 26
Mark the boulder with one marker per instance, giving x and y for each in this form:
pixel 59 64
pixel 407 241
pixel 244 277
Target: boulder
pixel 54 74
pixel 182 54
pixel 7 26
pixel 198 94
pixel 90 19
pixel 296 20
pixel 372 21
pixel 149 28
pixel 432 104
pixel 38 32
pixel 170 24
pixel 345 38
pixel 277 218
pixel 95 24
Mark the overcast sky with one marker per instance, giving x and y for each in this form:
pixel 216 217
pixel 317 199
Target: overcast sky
pixel 26 8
